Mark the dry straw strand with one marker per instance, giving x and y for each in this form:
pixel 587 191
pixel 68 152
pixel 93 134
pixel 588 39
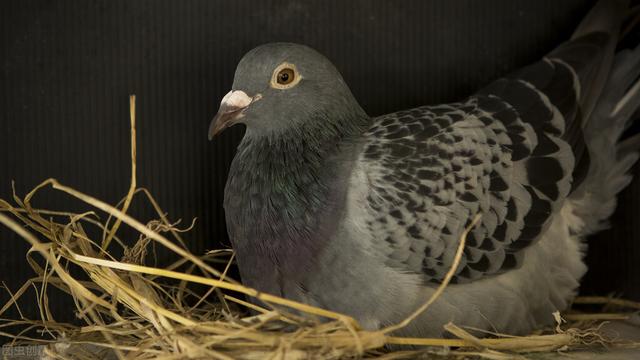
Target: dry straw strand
pixel 132 186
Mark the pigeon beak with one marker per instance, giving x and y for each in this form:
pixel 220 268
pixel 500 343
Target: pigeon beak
pixel 231 108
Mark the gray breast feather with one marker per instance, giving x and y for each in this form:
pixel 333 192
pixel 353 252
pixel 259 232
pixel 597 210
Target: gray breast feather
pixel 432 169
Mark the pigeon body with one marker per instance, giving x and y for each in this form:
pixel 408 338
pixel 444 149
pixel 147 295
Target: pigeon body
pixel 363 216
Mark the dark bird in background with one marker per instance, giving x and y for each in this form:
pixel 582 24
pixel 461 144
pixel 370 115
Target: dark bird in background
pixel 328 206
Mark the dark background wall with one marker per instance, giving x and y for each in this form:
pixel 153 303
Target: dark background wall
pixel 67 68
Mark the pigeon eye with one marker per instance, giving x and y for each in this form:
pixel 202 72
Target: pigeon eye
pixel 285 76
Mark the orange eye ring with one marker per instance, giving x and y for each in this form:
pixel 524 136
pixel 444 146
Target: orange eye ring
pixel 285 76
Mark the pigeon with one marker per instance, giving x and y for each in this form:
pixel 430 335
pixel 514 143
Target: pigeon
pixel 363 215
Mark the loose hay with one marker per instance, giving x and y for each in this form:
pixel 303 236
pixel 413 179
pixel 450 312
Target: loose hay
pixel 133 311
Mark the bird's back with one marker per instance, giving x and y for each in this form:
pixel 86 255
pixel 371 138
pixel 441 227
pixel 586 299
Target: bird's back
pixel 512 153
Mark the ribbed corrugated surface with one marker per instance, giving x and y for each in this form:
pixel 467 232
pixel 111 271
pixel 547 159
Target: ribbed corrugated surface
pixel 68 67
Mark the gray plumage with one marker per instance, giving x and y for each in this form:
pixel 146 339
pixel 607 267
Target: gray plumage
pixel 363 215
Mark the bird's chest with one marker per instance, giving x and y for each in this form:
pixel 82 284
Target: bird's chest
pixel 273 204
pixel 277 221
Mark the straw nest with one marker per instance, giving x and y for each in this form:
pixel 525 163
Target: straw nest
pixel 129 310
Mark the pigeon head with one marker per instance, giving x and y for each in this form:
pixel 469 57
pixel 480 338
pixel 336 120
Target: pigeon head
pixel 281 86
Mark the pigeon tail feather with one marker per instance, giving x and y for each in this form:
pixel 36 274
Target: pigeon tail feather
pixel 591 49
pixel 611 159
